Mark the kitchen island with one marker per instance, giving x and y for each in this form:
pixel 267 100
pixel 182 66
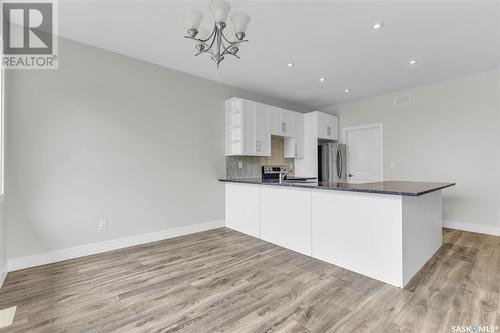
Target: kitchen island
pixel 385 230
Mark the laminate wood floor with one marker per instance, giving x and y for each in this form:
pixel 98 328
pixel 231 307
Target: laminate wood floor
pixel 222 280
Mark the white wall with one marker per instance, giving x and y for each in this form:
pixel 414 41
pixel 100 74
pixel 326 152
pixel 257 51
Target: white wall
pixel 450 132
pixel 107 136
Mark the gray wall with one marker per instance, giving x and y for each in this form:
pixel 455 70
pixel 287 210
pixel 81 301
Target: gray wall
pixel 450 132
pixel 107 136
pixel 3 243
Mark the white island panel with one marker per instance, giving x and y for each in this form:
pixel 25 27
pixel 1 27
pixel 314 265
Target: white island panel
pixel 286 217
pixel 422 231
pixel 361 232
pixel 243 208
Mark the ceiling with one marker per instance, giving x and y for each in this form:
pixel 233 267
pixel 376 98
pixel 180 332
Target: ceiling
pixel 330 39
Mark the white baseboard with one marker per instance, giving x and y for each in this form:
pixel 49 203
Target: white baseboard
pixel 482 229
pixel 89 249
pixel 3 276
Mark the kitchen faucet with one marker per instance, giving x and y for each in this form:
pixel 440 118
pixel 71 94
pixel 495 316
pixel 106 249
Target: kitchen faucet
pixel 283 175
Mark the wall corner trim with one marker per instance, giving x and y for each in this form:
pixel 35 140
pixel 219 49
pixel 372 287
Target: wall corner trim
pixel 3 276
pixel 478 228
pixel 114 244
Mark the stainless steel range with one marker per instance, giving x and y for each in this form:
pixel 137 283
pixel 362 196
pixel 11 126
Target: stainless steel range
pixel 275 172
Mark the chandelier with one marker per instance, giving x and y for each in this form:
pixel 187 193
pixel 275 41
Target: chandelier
pixel 219 42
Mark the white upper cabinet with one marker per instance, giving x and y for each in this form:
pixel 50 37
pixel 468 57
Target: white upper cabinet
pixel 294 145
pixel 262 135
pixel 275 123
pixel 281 121
pixel 287 117
pixel 328 126
pixel 299 138
pixel 247 128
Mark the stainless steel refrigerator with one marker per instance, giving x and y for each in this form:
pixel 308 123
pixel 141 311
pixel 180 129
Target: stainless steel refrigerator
pixel 332 163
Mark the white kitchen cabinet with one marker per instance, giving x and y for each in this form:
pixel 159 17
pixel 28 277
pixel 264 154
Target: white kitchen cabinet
pixel 294 145
pixel 332 127
pixel 262 134
pixel 286 217
pixel 328 126
pixel 299 137
pixel 281 121
pixel 243 208
pixel 275 123
pixel 287 118
pixel 247 128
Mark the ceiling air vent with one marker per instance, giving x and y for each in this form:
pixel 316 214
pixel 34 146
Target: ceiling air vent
pixel 402 100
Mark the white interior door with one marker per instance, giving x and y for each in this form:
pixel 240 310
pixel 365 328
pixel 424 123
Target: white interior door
pixel 365 158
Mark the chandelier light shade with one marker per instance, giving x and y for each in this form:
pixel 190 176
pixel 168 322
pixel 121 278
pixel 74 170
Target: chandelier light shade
pixel 219 10
pixel 218 42
pixel 240 22
pixel 193 19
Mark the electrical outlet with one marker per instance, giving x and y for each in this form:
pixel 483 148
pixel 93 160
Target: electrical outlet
pixel 103 225
pixel 392 164
pixel 446 208
pixel 240 164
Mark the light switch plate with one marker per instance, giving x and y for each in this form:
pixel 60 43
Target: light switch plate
pixel 103 225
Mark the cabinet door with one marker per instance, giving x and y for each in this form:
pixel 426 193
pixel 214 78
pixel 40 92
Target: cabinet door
pixel 275 124
pixel 287 120
pixel 243 208
pixel 322 125
pixel 290 148
pixel 299 136
pixel 328 126
pixel 294 144
pixel 262 135
pixel 286 217
pixel 333 127
pixel 248 127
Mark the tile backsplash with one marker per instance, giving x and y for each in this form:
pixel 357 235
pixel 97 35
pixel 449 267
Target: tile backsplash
pixel 251 165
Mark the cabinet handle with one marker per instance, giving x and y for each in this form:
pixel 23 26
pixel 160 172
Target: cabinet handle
pixel 284 126
pixel 328 131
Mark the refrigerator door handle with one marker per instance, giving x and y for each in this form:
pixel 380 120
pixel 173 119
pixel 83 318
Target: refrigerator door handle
pixel 339 164
pixel 344 163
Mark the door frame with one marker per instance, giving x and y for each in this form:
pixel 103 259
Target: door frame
pixel 380 126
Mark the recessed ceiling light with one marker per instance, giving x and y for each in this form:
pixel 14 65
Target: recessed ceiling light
pixel 378 25
pixel 322 79
pixel 290 64
pixel 347 91
pixel 413 61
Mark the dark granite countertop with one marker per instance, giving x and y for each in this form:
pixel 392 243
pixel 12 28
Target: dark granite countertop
pixel 413 189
